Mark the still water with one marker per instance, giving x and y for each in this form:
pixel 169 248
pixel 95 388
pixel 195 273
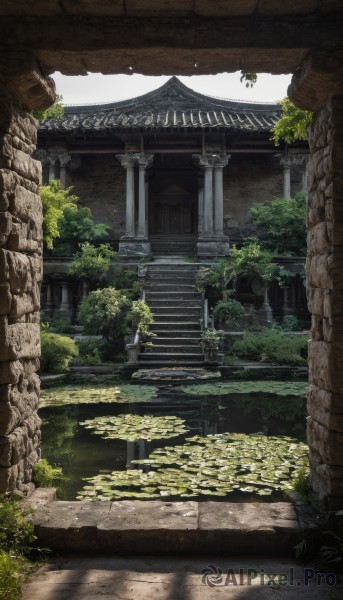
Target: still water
pixel 68 444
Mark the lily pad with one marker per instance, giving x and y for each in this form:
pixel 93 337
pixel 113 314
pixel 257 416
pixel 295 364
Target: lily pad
pixel 280 388
pixel 119 393
pixel 216 465
pixel 136 427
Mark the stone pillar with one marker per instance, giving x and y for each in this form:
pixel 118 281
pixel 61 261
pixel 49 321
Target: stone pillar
pixel 64 162
pixel 64 306
pixel 144 161
pixel 219 165
pixel 128 162
pixel 135 244
pixel 318 85
pixel 286 163
pixel 22 88
pixel 85 288
pixel 51 160
pixel 200 205
pixel 49 307
pixel 211 241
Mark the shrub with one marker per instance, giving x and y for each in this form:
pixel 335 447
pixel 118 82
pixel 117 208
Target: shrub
pixel 90 351
pixel 91 261
pixel 11 576
pixel 228 311
pixel 290 323
pixel 54 202
pixel 57 352
pixel 105 312
pixel 45 475
pixel 77 226
pixel 143 314
pixel 271 345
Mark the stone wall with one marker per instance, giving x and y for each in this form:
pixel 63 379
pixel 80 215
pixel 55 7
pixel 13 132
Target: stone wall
pixel 325 298
pixel 99 182
pixel 20 276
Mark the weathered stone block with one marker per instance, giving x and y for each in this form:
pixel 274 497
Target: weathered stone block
pixel 18 477
pixel 319 355
pixel 325 415
pixel 16 269
pixel 5 227
pixel 334 265
pixel 26 166
pixel 17 122
pixel 20 340
pixel 27 205
pixel 24 303
pixel 318 271
pixel 316 328
pixel 20 443
pixel 315 300
pixel 25 237
pixel 5 299
pixel 328 443
pixel 318 240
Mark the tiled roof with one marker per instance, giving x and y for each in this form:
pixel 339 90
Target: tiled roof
pixel 172 106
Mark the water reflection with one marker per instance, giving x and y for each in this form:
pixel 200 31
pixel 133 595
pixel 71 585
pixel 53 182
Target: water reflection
pixel 81 454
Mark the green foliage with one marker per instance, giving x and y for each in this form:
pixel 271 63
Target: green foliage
pixel 249 78
pixel 290 323
pixel 57 352
pixel 293 124
pixel 77 226
pixel 283 222
pixel 271 345
pixel 280 388
pixel 91 261
pixel 90 351
pixel 136 427
pixel 216 465
pixel 54 202
pixel 124 278
pixel 228 311
pixel 45 475
pixel 105 312
pixel 142 313
pixel 252 259
pixel 111 393
pixel 59 322
pixel 16 530
pixel 55 111
pixel 11 576
pixel 16 533
pixel 210 338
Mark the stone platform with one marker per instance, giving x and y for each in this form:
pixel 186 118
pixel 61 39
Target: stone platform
pixel 174 375
pixel 157 527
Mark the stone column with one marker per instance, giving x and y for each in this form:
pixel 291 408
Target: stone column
pixel 64 162
pixel 200 205
pixel 49 308
pixel 207 164
pixel 22 89
pixel 219 165
pixel 128 162
pixel 51 160
pixel 85 288
pixel 144 161
pixel 318 85
pixel 64 306
pixel 286 163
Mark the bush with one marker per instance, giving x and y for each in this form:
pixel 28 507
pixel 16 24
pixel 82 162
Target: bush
pixel 228 311
pixel 290 323
pixel 45 475
pixel 90 351
pixel 271 345
pixel 143 314
pixel 91 261
pixel 105 312
pixel 57 352
pixel 11 576
pixel 77 226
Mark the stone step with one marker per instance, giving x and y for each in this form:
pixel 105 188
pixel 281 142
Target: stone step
pixel 176 326
pixel 169 355
pixel 176 311
pixel 175 349
pixel 165 287
pixel 162 362
pixel 173 332
pixel 162 527
pixel 178 319
pixel 151 296
pixel 175 303
pixel 175 341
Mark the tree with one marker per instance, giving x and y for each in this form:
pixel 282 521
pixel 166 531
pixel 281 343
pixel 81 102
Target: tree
pixel 283 222
pixel 91 261
pixel 293 124
pixel 77 226
pixel 249 78
pixel 56 110
pixel 54 201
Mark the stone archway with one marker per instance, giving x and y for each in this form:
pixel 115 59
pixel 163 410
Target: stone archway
pixel 194 36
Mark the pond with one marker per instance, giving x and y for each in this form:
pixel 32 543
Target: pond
pixel 223 441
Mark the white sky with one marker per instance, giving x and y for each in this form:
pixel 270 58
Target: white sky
pixel 96 87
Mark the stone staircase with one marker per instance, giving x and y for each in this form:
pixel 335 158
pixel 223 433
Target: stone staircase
pixel 177 309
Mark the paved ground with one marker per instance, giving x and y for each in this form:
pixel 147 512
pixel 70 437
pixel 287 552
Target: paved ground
pixel 170 578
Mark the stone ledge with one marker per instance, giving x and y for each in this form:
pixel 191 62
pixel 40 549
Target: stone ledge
pixel 125 527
